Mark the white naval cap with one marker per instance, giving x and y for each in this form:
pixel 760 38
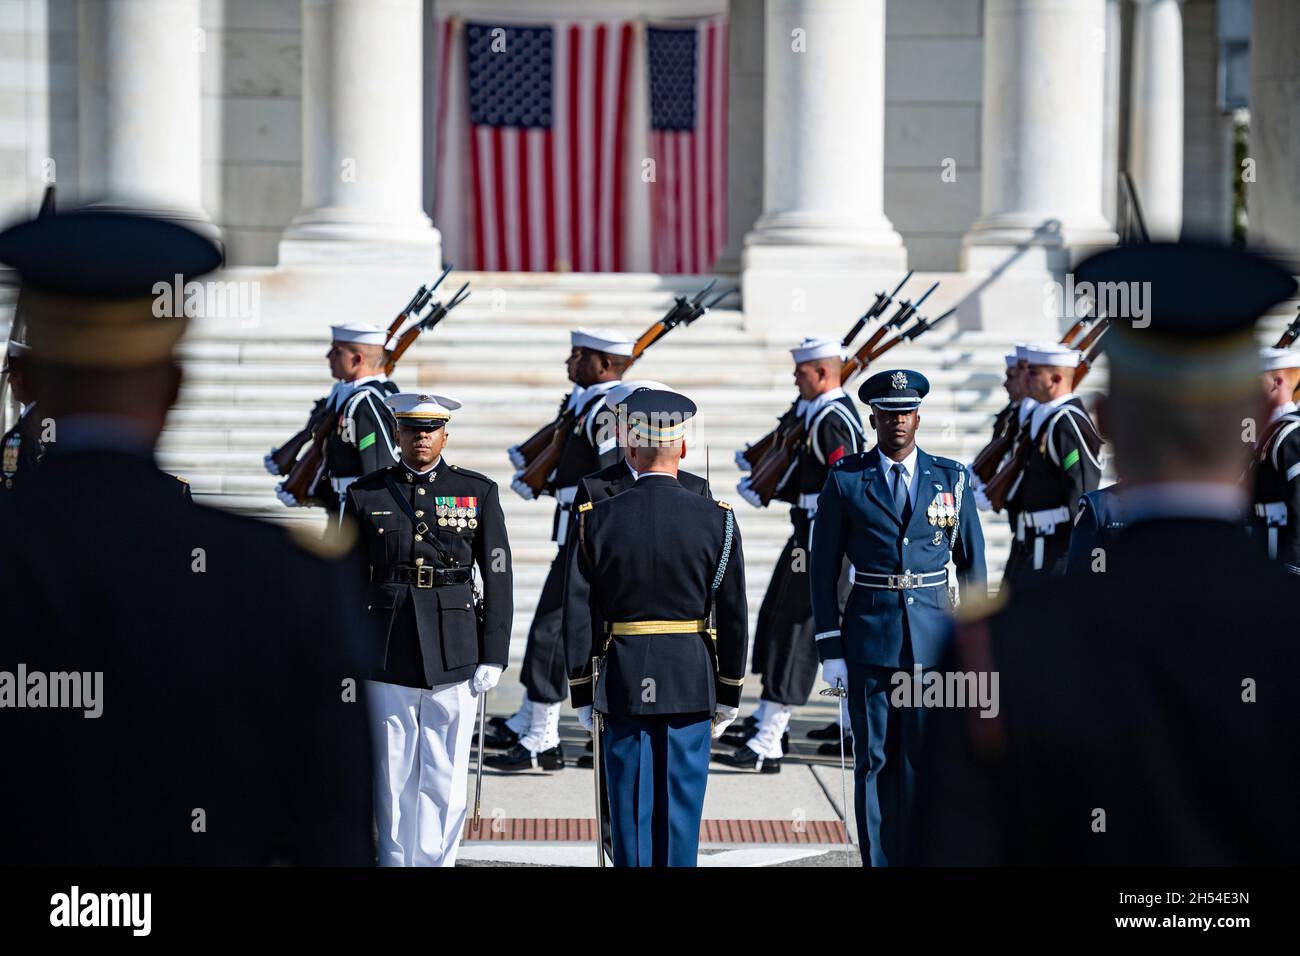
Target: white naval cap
pixel 617 395
pixel 1050 354
pixel 1013 357
pixel 359 333
pixel 1271 359
pixel 422 409
pixel 813 348
pixel 602 340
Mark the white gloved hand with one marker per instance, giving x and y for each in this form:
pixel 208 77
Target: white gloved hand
pixel 586 717
pixel 268 460
pixel 741 461
pixel 485 678
pixel 521 489
pixel 286 499
pixel 835 669
pixel 748 493
pixel 722 719
pixel 516 458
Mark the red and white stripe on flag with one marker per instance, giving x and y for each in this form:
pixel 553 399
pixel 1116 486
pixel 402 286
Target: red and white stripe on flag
pixel 688 200
pixel 534 182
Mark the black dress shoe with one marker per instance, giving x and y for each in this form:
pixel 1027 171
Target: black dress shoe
pixel 499 736
pixel 830 732
pixel 746 759
pixel 520 757
pixel 587 747
pixel 832 747
pixel 586 761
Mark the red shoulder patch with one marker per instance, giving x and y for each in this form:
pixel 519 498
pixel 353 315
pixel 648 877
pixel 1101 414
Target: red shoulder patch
pixel 835 456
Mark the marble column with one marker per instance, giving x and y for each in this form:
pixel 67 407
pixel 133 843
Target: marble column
pixel 745 25
pixel 1156 115
pixel 1042 136
pixel 823 238
pixel 362 122
pixel 139 106
pixel 1273 199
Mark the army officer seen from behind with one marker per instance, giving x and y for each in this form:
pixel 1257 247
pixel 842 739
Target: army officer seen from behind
pixel 426 525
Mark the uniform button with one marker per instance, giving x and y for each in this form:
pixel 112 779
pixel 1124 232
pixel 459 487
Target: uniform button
pixel 419 514
pixel 418 538
pixel 419 560
pixel 381 530
pixel 419 491
pixel 905 541
pixel 910 600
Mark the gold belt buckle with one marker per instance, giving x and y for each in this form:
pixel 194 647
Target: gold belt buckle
pixel 904 581
pixel 423 579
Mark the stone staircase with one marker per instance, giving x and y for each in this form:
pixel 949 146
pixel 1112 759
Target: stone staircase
pixel 502 354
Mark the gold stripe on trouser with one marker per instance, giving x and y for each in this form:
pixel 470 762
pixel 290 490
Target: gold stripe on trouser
pixel 621 628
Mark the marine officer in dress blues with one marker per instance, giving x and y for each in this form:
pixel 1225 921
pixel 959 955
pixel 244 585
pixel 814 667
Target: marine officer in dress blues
pixel 899 515
pixel 665 582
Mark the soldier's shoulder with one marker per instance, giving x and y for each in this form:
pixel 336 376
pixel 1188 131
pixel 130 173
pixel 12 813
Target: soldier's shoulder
pixel 477 476
pixel 948 464
pixel 858 461
pixel 373 481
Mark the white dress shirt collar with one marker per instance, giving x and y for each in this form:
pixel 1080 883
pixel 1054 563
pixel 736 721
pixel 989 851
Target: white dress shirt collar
pixel 887 465
pixel 1283 409
pixel 1043 411
pixel 809 407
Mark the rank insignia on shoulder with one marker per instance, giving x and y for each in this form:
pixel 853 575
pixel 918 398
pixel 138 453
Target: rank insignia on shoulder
pixel 724 505
pixel 585 506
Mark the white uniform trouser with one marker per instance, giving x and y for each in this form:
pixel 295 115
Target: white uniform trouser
pixel 421 741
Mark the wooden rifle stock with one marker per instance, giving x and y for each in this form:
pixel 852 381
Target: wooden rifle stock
pixel 287 454
pixel 765 478
pixel 998 488
pixel 755 452
pixel 307 470
pixel 986 462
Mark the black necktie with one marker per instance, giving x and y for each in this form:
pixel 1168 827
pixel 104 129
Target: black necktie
pixel 901 503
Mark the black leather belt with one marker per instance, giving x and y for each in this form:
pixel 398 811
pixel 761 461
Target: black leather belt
pixel 424 576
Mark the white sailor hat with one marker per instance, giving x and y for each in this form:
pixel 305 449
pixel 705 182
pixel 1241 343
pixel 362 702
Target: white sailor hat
pixel 421 409
pixel 359 333
pixel 1270 359
pixel 617 395
pixel 1013 357
pixel 602 340
pixel 813 348
pixel 1050 354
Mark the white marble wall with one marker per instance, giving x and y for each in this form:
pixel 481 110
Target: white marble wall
pixel 934 68
pixel 252 123
pixel 1207 133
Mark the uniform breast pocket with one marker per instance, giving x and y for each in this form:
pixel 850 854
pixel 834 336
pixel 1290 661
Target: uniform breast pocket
pixel 458 625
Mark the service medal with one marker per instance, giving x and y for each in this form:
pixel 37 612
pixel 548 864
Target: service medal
pixel 938 537
pixel 473 522
pixel 442 522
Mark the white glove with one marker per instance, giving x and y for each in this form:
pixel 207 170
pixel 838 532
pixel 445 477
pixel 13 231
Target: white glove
pixel 516 458
pixel 722 719
pixel 748 493
pixel 521 489
pixel 485 678
pixel 741 462
pixel 268 460
pixel 286 499
pixel 585 715
pixel 835 670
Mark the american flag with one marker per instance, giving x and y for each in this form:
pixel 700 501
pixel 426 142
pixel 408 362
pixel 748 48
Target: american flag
pixel 688 141
pixel 545 134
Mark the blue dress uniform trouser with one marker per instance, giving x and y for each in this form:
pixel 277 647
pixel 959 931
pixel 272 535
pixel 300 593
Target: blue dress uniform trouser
pixel 886 747
pixel 656 770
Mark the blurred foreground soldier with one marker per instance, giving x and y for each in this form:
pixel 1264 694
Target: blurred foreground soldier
pixel 597 360
pixel 1097 522
pixel 1155 723
pixel 178 684
pixel 785 653
pixel 665 579
pixel 1276 491
pixel 1063 464
pixel 426 525
pixel 898 515
pixel 363 436
pixel 21 445
pixel 607 483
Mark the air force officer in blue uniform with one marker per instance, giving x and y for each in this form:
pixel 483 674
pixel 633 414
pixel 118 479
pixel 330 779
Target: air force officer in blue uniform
pixel 899 515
